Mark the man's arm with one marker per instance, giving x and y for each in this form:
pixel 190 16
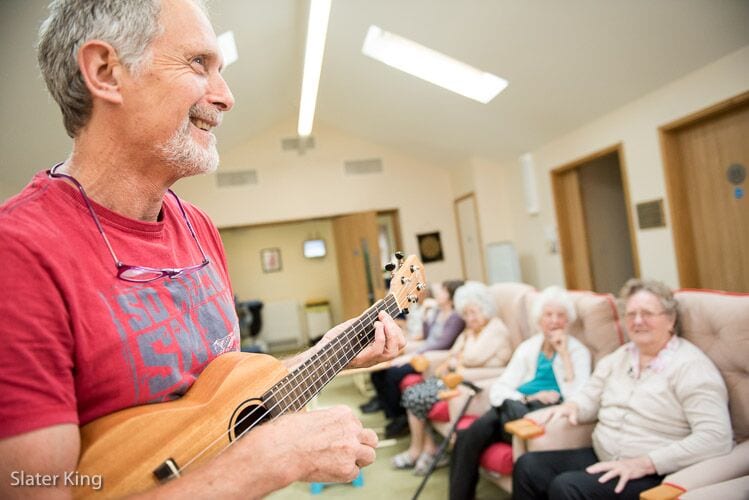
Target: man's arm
pixel 388 342
pixel 50 452
pixel 325 445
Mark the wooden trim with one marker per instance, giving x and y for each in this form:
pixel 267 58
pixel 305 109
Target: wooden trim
pixel 588 158
pixel 575 276
pixel 709 112
pixel 681 228
pixel 395 215
pixel 630 208
pixel 460 236
pixel 480 240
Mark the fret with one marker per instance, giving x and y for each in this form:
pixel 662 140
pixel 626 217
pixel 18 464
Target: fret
pixel 295 390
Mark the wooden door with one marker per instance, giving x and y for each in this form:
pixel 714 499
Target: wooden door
pixel 472 253
pixel 710 213
pixel 360 276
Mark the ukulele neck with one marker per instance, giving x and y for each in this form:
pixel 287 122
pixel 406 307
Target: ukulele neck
pixel 293 392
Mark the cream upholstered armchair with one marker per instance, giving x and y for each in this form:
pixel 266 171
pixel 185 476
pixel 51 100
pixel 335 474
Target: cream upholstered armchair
pixel 718 323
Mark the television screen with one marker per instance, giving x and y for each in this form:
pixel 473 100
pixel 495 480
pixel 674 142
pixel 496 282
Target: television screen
pixel 314 249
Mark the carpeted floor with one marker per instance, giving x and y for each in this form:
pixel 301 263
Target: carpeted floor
pixel 381 481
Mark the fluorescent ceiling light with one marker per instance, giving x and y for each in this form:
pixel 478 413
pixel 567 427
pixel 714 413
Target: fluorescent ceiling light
pixel 228 48
pixel 432 66
pixel 317 29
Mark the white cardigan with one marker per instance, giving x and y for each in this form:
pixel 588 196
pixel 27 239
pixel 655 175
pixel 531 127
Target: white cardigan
pixel 522 368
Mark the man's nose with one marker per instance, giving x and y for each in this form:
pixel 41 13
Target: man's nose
pixel 219 93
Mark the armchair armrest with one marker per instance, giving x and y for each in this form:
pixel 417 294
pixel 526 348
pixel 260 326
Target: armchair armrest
pixel 714 470
pixel 481 373
pixel 435 358
pixel 558 435
pixel 662 492
pixel 524 428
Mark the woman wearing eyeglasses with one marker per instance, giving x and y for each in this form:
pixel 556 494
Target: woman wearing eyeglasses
pixel 660 403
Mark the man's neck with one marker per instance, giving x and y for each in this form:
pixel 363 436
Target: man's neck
pixel 123 183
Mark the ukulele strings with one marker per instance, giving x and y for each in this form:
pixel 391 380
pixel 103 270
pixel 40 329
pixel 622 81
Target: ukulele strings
pixel 291 379
pixel 288 380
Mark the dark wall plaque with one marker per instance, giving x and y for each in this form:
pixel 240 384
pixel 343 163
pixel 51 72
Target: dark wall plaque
pixel 430 247
pixel 650 214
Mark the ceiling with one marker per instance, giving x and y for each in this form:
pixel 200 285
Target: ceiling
pixel 567 63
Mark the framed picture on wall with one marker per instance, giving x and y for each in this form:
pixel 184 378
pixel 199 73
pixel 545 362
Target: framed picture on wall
pixel 271 259
pixel 430 247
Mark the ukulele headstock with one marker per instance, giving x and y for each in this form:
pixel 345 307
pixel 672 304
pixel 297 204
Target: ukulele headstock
pixel 408 282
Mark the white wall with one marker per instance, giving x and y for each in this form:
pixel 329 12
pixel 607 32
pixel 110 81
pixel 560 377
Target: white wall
pixel 295 187
pixel 636 126
pixel 299 279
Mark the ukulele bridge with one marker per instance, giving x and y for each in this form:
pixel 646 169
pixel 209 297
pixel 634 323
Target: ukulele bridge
pixel 166 471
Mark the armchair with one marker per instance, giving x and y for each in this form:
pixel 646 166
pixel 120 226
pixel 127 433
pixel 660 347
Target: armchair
pixel 716 323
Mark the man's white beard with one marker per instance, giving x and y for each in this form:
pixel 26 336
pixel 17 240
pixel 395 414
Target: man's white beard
pixel 187 156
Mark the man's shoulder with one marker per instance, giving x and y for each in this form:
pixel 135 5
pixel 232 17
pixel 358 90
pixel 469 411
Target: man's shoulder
pixel 196 214
pixel 21 215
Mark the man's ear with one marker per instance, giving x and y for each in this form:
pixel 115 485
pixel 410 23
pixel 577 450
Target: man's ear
pixel 101 70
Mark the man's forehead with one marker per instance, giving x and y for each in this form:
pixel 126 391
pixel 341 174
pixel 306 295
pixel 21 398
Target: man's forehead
pixel 186 27
pixel 185 15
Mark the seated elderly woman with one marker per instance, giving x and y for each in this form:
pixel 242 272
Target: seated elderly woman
pixel 484 343
pixel 440 331
pixel 546 368
pixel 660 402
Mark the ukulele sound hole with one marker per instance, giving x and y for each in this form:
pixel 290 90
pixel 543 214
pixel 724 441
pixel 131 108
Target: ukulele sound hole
pixel 246 416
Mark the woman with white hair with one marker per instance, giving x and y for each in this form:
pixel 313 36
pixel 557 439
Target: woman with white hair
pixel 484 343
pixel 548 367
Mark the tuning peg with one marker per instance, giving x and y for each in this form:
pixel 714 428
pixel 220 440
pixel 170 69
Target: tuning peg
pixel 405 310
pixel 399 255
pixel 420 286
pixel 390 267
pixel 404 280
pixel 413 299
pixel 414 268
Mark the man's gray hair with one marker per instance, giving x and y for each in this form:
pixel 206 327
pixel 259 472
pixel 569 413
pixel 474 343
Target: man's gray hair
pixel 477 294
pixel 127 25
pixel 553 295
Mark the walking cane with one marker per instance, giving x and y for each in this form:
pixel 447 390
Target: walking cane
pixel 473 390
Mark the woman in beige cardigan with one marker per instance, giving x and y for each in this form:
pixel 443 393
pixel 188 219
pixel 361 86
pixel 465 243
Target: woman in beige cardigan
pixel 484 343
pixel 659 402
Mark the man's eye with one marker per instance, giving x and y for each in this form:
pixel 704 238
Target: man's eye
pixel 199 60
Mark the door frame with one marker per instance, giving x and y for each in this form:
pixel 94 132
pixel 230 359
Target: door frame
pixel 564 225
pixel 480 241
pixel 681 229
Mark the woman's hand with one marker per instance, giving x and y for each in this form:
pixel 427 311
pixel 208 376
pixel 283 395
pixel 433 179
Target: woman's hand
pixel 558 340
pixel 632 468
pixel 565 410
pixel 546 397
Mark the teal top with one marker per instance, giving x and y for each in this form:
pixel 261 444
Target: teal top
pixel 544 379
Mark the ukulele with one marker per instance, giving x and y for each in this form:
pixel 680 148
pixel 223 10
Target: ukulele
pixel 138 448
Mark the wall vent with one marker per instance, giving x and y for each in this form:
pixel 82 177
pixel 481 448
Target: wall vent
pixel 236 178
pixel 362 167
pixel 300 144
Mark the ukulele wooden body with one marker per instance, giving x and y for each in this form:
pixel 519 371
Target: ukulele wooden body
pixel 127 446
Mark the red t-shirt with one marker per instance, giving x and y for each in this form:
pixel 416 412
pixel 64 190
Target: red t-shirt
pixel 76 342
